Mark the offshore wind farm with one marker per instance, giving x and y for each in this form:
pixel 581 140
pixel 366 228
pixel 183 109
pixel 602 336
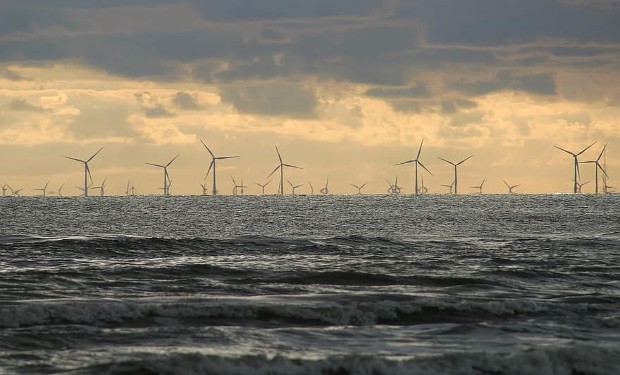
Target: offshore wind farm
pixel 326 187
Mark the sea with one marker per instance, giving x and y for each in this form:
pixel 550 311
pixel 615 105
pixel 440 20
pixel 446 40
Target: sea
pixel 368 284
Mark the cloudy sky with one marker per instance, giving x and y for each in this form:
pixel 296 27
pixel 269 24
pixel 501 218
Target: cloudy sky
pixel 346 89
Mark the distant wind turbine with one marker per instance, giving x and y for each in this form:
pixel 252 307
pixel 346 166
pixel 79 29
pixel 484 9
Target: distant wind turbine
pixel 423 189
pixel 510 187
pixel 416 162
pixel 263 185
pixel 101 187
pixel 456 176
pixel 359 188
pixel 87 174
pixel 4 189
pixel 60 189
pixel 597 166
pixel 576 164
pixel 311 187
pixel 281 167
pixel 294 187
pixel 451 186
pixel 237 189
pixel 204 188
pixel 325 190
pixel 479 187
pixel 43 190
pixel 394 188
pixel 214 159
pixel 15 192
pixel 166 184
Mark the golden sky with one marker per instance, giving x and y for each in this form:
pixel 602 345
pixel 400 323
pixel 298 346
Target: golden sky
pixel 345 89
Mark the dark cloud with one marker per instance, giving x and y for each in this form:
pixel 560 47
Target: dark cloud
pixel 538 84
pixel 151 107
pixel 186 101
pixel 13 76
pixel 273 100
pixel 453 105
pixel 418 91
pixel 21 105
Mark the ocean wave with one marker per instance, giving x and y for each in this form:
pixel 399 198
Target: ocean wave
pixel 367 310
pixel 575 359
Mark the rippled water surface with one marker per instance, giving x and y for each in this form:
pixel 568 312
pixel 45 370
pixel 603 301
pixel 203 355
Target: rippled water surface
pixel 478 284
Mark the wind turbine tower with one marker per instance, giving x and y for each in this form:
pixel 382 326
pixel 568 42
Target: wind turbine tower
pixel 456 176
pixel 214 159
pixel 576 164
pixel 167 182
pixel 87 174
pixel 479 187
pixel 263 185
pixel 416 162
pixel 281 167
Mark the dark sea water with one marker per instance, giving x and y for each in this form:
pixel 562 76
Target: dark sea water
pixel 437 284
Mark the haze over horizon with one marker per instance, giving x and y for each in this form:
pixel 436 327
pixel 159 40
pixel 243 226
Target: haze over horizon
pixel 345 89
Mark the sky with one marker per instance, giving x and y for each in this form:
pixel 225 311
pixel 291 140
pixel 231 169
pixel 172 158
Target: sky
pixel 346 89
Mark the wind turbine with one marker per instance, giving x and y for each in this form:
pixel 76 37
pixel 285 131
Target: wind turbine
pixel 4 189
pixel 87 174
pixel 479 187
pixel 263 185
pixel 204 188
pixel 359 188
pixel 101 187
pixel 510 187
pixel 576 163
pixel 456 177
pixel 451 186
pixel 325 190
pixel 416 162
pixel 237 189
pixel 579 186
pixel 15 193
pixel 82 189
pixel 597 166
pixel 294 186
pixel 213 163
pixel 311 187
pixel 44 188
pixel 166 176
pixel 394 188
pixel 60 189
pixel 281 166
pixel 423 189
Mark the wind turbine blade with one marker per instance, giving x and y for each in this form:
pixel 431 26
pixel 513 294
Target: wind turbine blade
pixel 602 151
pixel 290 183
pixel 211 165
pixel 279 156
pixel 584 150
pixel 274 171
pixel 68 157
pixel 506 184
pixel 292 166
pixel 213 156
pixel 173 159
pixel 155 165
pixel 233 179
pixel 422 165
pixel 256 183
pixel 483 182
pixel 560 148
pixel 226 157
pixel 405 162
pixel 268 182
pixel 48 182
pixel 464 160
pixel 447 161
pixel 355 186
pixel 361 187
pixel 419 150
pixel 95 154
pixel 89 175
pixel 602 170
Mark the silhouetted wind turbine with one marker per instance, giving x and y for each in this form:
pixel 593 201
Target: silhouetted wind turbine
pixel 580 185
pixel 60 189
pixel 166 176
pixel 263 185
pixel 44 188
pixel 325 190
pixel 597 166
pixel 394 188
pixel 213 164
pixel 576 163
pixel 15 192
pixel 101 187
pixel 510 187
pixel 479 187
pixel 281 166
pixel 423 189
pixel 294 187
pixel 416 162
pixel 359 188
pixel 238 188
pixel 87 174
pixel 311 187
pixel 456 176
pixel 204 188
pixel 451 186
pixel 4 189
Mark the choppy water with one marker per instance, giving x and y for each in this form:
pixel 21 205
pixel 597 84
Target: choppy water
pixel 311 285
